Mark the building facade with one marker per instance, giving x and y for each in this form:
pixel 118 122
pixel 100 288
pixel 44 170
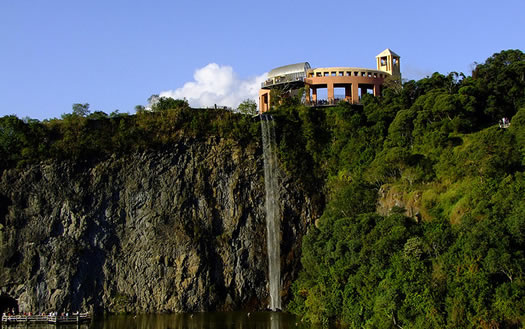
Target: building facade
pixel 351 82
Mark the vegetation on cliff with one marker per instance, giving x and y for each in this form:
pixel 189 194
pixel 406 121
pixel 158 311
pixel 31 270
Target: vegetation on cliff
pixel 84 135
pixel 456 259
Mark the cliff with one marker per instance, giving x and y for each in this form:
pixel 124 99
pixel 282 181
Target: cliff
pixel 182 229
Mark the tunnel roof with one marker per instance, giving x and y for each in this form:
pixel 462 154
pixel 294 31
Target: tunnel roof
pixel 289 69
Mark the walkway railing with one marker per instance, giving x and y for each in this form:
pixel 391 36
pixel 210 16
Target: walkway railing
pixel 329 102
pixel 76 318
pixel 276 81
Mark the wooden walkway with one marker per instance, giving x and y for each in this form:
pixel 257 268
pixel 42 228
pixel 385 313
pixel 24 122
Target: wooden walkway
pixel 54 319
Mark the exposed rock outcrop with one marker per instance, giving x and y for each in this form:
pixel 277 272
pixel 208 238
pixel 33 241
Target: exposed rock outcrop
pixel 181 229
pixel 390 198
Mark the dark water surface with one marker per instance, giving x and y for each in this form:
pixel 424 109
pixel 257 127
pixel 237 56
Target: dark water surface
pixel 211 320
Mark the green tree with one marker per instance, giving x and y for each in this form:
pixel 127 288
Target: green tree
pixel 247 107
pixel 12 139
pixel 81 109
pixel 168 103
pixel 139 108
pixel 98 115
pixel 502 78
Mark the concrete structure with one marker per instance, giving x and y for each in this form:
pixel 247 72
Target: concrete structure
pixel 288 78
pixel 353 81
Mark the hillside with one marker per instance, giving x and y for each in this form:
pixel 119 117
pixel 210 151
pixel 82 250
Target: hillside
pixel 425 221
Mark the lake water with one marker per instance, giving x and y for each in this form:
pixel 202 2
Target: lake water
pixel 210 320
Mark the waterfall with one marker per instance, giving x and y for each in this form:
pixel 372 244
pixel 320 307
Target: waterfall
pixel 272 210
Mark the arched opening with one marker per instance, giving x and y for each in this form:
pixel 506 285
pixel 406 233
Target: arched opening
pixel 339 93
pixel 365 89
pixel 343 91
pixel 318 94
pixel 8 304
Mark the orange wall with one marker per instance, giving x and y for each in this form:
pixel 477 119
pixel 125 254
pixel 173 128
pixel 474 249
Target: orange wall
pixel 350 83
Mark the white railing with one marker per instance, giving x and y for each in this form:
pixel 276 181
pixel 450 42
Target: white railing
pixel 81 317
pixel 275 81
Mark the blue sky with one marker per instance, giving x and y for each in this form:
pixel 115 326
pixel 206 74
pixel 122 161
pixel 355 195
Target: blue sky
pixel 115 54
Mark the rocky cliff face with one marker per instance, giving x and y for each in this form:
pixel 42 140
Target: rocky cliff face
pixel 176 230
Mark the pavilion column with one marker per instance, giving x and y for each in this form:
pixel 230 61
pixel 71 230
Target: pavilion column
pixel 377 89
pixel 262 101
pixel 330 91
pixel 314 95
pixel 355 93
pixel 348 93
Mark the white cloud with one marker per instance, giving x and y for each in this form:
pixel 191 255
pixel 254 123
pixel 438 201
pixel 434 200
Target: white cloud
pixel 217 85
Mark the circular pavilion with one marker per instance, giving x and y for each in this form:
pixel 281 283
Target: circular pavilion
pixel 351 82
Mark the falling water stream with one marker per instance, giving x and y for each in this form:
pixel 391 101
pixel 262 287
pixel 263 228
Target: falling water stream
pixel 272 210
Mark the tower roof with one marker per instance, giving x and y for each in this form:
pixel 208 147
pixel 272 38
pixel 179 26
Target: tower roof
pixel 387 52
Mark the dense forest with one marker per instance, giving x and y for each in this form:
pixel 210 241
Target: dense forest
pixel 444 155
pixel 440 147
